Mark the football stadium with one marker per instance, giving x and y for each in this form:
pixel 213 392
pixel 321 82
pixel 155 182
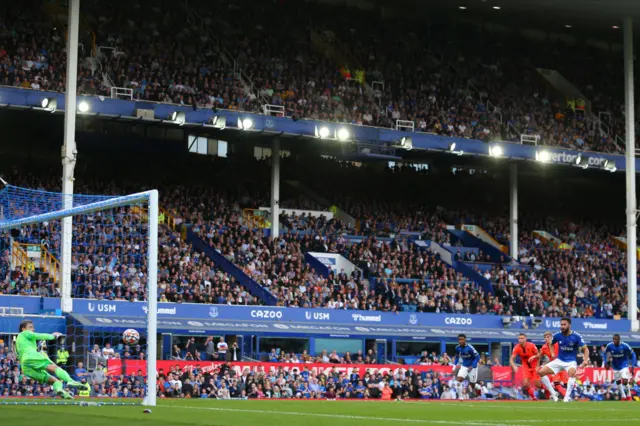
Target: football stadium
pixel 318 212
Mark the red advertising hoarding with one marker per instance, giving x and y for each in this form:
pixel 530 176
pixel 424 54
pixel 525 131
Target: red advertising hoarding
pixel 500 374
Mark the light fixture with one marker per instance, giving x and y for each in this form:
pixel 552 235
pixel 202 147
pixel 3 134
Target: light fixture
pixel 452 149
pixel 462 7
pixel 406 142
pixel 496 151
pixel 245 123
pixel 219 122
pixel 567 26
pixel 582 162
pixel 506 322
pixel 543 156
pixel 178 117
pixel 610 166
pixel 83 106
pixel 496 8
pixel 615 27
pixel 50 104
pixel 322 132
pixel 342 134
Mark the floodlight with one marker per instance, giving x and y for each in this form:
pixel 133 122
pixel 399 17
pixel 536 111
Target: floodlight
pixel 543 156
pixel 83 106
pixel 406 142
pixel 343 134
pixel 582 161
pixel 610 166
pixel 496 151
pixel 178 117
pixel 323 132
pixel 50 104
pixel 245 123
pixel 219 121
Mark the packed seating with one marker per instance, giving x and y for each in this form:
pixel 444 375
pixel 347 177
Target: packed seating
pixel 468 89
pixel 585 278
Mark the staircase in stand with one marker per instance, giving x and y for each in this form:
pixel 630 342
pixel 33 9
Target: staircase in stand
pixel 29 258
pixel 230 268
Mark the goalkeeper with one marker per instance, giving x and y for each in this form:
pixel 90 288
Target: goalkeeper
pixel 37 365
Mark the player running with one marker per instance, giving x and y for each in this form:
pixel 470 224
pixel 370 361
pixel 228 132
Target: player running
pixel 550 352
pixel 568 344
pixel 37 365
pixel 528 353
pixel 469 357
pixel 618 354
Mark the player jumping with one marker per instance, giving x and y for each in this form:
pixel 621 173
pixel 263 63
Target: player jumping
pixel 528 354
pixel 618 354
pixel 469 357
pixel 37 365
pixel 568 344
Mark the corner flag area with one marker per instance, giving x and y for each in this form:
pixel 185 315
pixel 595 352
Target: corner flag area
pixel 334 413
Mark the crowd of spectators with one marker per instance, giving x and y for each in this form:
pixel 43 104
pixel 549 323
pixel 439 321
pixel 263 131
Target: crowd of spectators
pixel 282 382
pixel 585 280
pixel 192 56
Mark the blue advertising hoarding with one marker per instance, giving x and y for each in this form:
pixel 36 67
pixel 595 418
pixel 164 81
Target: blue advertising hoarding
pixel 207 326
pixel 325 316
pixel 200 318
pixel 280 125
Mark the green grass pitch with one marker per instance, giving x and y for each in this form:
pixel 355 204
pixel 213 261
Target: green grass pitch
pixel 329 413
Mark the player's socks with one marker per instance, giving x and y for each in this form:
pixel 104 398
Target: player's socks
pixel 623 395
pixel 570 384
pixel 531 393
pixel 63 375
pixel 57 387
pixel 547 384
pixel 561 390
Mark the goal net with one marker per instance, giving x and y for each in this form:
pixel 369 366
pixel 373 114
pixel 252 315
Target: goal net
pixel 58 249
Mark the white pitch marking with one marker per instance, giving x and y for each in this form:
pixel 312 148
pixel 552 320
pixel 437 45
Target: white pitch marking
pixel 344 416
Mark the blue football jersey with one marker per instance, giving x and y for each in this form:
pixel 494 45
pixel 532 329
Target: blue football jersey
pixel 620 355
pixel 468 354
pixel 568 346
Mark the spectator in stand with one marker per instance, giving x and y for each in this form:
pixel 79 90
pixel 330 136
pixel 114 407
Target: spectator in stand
pixel 222 347
pixel 98 375
pixel 80 372
pixel 107 351
pixel 191 348
pixel 234 353
pixel 210 349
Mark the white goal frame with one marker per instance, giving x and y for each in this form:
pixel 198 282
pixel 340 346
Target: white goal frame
pixel 151 199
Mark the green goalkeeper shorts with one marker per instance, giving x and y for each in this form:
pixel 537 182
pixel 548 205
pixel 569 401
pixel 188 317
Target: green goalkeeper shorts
pixel 35 366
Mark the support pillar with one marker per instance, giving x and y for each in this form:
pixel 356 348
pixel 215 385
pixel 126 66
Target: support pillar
pixel 630 136
pixel 513 211
pixel 275 188
pixel 69 153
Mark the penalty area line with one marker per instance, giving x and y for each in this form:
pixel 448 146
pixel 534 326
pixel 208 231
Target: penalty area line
pixel 345 416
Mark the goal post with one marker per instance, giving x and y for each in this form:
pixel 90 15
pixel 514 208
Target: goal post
pixel 109 235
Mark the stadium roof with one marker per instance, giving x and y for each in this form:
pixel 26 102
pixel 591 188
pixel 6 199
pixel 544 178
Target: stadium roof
pixel 547 14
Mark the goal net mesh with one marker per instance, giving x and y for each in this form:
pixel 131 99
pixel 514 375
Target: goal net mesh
pixel 109 260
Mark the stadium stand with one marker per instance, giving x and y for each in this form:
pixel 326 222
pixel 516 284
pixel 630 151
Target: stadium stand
pixel 406 239
pixel 466 89
pixel 396 274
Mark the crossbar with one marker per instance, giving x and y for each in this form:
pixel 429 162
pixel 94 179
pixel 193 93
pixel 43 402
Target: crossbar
pixel 141 197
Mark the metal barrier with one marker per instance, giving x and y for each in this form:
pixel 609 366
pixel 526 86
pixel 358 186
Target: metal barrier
pixel 530 139
pixel 405 125
pixel 273 110
pixel 7 310
pixel 121 93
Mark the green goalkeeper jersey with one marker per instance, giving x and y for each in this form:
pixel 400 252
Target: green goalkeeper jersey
pixel 27 343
